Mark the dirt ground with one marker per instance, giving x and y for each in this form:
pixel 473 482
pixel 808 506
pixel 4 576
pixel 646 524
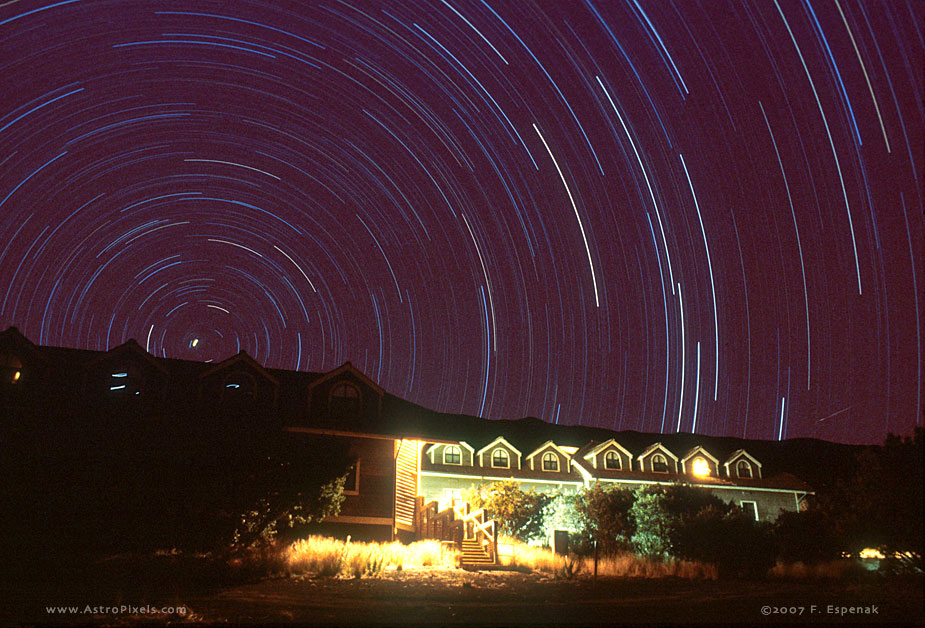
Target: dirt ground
pixel 446 597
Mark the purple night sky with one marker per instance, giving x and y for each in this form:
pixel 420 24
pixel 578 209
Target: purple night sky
pixel 653 215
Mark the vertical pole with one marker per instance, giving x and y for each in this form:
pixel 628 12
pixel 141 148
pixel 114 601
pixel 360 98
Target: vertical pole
pixel 595 558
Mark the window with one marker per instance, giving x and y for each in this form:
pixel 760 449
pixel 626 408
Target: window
pixel 550 461
pixel 452 455
pixel 352 484
pixel 700 467
pixel 345 399
pixel 612 460
pixel 125 381
pixel 750 508
pixel 239 387
pixel 10 369
pixel 659 464
pixel 500 458
pixel 743 469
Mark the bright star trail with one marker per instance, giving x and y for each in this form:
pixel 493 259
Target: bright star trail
pixel 491 208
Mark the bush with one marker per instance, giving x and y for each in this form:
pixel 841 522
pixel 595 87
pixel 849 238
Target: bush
pixel 604 516
pixel 733 541
pixel 805 537
pixel 520 513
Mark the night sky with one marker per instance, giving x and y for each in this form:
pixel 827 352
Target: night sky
pixel 663 216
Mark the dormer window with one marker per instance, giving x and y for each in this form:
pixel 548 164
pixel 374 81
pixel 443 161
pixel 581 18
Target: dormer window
pixel 550 461
pixel 612 461
pixel 10 369
pixel 452 455
pixel 659 464
pixel 700 467
pixel 345 399
pixel 239 388
pixel 500 459
pixel 744 469
pixel 125 382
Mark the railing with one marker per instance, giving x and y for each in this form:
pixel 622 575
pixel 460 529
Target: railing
pixel 457 523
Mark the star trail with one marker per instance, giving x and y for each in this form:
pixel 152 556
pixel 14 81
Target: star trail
pixel 660 216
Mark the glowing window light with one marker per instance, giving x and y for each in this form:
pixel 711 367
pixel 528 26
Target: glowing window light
pixel 871 552
pixel 700 468
pixel 194 343
pixel 16 376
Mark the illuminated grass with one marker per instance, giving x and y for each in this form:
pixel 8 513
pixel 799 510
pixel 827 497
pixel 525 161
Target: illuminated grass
pixel 326 557
pixel 623 566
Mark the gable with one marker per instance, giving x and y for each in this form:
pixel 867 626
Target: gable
pixel 124 371
pixel 485 453
pixel 346 399
pixel 598 455
pixel 436 454
pixel 648 458
pixel 698 452
pixel 537 457
pixel 239 380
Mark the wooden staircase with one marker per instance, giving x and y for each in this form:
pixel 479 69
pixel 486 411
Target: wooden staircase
pixel 463 528
pixel 474 554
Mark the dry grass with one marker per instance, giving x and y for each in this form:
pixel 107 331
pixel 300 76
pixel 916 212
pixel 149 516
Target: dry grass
pixel 326 557
pixel 623 566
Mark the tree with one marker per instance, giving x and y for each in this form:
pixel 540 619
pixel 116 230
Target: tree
pixel 604 516
pixel 292 485
pixel 805 536
pixel 520 514
pixel 882 504
pixel 654 525
pixel 689 523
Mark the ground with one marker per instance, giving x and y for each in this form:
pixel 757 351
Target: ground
pixel 443 596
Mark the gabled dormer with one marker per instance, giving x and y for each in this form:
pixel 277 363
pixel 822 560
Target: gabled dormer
pixel 126 372
pixel 499 454
pixel 549 458
pixel 345 398
pixel 240 382
pixel 699 463
pixel 459 454
pixel 741 464
pixel 20 360
pixel 610 456
pixel 657 459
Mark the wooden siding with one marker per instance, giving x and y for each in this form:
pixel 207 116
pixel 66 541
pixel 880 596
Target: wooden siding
pixel 407 465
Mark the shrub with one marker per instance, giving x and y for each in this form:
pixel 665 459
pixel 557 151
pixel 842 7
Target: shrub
pixel 520 513
pixel 804 536
pixel 604 516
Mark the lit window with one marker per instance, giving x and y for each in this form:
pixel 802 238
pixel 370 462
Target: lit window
pixel 452 455
pixel 612 460
pixel 345 399
pixel 10 368
pixel 700 467
pixel 550 461
pixel 659 464
pixel 743 469
pixel 500 458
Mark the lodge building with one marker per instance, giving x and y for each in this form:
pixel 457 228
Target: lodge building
pixel 408 462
